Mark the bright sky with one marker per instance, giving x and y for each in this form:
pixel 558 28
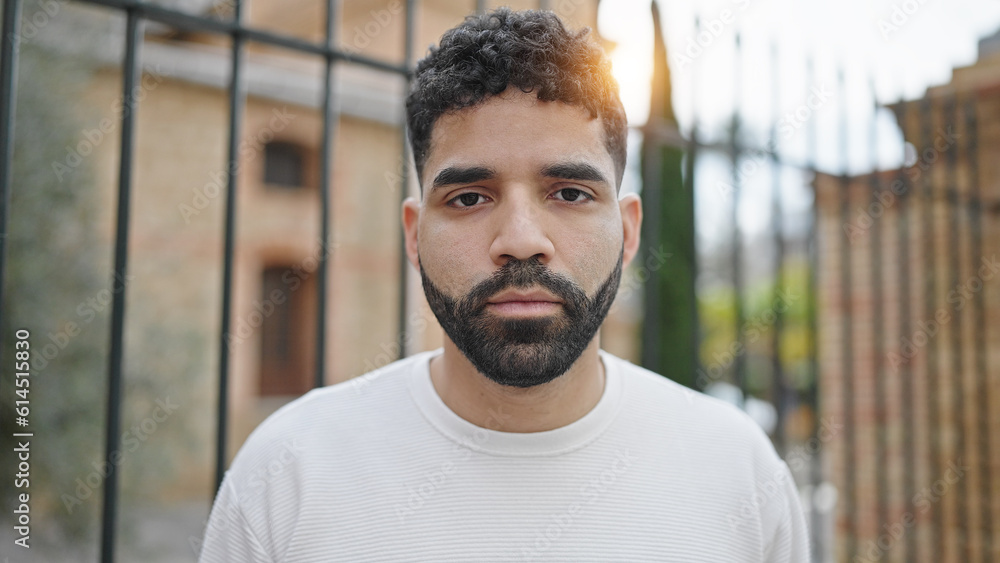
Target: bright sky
pixel 899 46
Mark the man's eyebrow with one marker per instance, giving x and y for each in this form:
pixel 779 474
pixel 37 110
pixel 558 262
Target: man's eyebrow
pixel 575 171
pixel 457 175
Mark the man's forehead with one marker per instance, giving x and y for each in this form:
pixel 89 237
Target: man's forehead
pixel 513 101
pixel 517 126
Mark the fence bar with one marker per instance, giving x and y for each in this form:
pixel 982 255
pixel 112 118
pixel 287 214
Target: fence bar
pixel 480 6
pixel 847 334
pixel 236 102
pixel 691 158
pixel 9 51
pixel 958 375
pixel 979 334
pixel 325 168
pixel 928 228
pixel 778 239
pixel 652 193
pixel 131 71
pixel 905 325
pixel 668 340
pixel 812 303
pixel 188 22
pixel 740 364
pixel 878 331
pixel 404 179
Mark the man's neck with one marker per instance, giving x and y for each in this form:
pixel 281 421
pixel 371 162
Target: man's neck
pixel 485 403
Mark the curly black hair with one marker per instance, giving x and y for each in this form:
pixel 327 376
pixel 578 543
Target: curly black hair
pixel 531 50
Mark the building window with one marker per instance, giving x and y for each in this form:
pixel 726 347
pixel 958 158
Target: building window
pixel 284 165
pixel 287 306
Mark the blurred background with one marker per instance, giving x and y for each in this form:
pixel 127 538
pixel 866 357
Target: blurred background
pixel 201 223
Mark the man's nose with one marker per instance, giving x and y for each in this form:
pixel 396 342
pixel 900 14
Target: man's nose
pixel 520 231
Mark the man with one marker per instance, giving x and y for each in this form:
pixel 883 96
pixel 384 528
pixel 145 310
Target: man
pixel 520 440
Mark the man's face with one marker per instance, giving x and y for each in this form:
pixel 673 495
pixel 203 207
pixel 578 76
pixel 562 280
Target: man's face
pixel 520 236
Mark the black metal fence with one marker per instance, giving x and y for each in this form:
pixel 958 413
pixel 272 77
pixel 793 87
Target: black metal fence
pixel 790 385
pixel 137 13
pixel 895 435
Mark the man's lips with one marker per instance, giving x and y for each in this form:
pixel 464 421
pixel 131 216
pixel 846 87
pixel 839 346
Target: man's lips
pixel 524 303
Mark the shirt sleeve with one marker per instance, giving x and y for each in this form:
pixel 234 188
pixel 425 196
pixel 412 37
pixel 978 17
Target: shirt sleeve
pixel 788 535
pixel 228 536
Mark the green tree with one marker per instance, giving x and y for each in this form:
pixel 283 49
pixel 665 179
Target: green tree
pixel 54 265
pixel 669 343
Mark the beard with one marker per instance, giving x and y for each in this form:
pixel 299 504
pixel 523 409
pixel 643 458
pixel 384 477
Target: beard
pixel 523 352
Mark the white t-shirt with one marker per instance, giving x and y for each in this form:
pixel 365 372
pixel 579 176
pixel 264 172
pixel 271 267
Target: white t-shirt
pixel 380 469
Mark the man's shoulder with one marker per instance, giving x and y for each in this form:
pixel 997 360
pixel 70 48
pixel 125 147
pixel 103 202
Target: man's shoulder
pixel 327 412
pixel 674 406
pixel 354 394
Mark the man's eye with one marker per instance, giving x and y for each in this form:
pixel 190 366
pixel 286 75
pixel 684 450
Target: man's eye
pixel 466 200
pixel 573 194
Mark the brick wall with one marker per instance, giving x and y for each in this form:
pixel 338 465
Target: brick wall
pixel 909 352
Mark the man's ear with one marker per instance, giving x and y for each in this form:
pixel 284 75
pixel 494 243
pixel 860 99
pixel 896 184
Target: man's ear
pixel 411 219
pixel 631 208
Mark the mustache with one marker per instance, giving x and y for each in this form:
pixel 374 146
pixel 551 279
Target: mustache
pixel 523 274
